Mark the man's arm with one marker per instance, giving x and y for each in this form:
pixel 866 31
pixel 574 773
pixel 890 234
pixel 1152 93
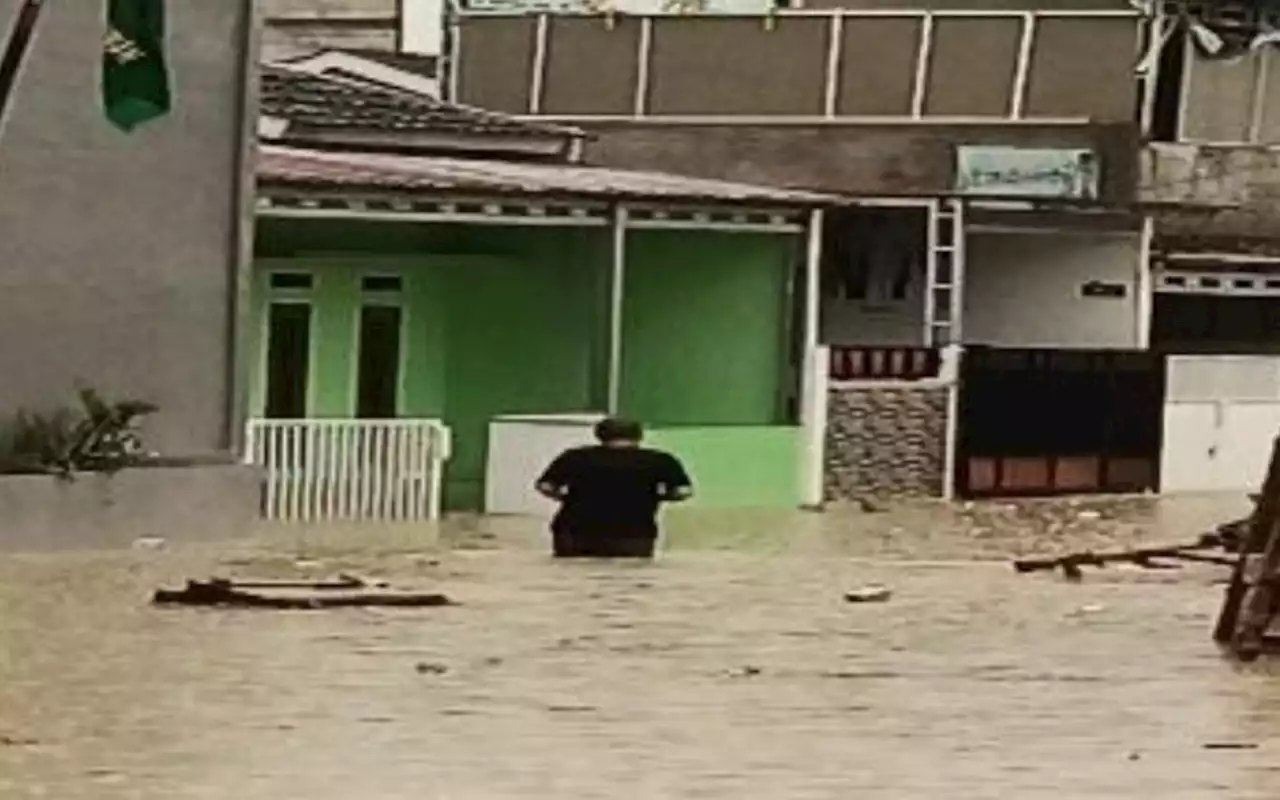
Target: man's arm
pixel 553 484
pixel 676 485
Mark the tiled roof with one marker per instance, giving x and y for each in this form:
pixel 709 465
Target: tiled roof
pixel 351 103
pixel 323 169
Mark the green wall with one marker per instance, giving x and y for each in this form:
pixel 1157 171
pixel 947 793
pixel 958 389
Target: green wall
pixel 736 466
pixel 704 327
pixel 515 320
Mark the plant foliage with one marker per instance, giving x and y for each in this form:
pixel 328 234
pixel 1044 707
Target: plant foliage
pixel 100 436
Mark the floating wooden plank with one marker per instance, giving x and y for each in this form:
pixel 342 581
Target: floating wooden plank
pixel 1148 557
pixel 294 595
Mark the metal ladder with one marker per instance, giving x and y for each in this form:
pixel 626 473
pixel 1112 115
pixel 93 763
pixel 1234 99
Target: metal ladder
pixel 944 274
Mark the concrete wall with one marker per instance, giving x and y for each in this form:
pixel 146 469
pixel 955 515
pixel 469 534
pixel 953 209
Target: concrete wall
pixel 855 158
pixel 120 250
pixel 294 26
pixel 177 504
pixel 888 440
pixel 1231 191
pixel 1024 290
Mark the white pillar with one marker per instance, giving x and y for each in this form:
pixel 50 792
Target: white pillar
pixel 813 383
pixel 950 374
pixel 1144 289
pixel 617 288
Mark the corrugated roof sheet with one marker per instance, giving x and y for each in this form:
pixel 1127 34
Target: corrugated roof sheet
pixel 318 169
pixel 350 102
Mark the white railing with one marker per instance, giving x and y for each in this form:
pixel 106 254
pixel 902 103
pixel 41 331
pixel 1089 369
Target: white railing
pixel 349 469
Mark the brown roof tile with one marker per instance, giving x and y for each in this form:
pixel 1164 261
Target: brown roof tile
pixel 352 103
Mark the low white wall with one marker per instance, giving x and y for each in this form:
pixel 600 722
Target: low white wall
pixel 92 512
pixel 520 448
pixel 1024 289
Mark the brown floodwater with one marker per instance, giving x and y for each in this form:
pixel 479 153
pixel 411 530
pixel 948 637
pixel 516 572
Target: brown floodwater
pixel 732 668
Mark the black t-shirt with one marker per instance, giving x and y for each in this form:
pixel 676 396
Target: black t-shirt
pixel 613 491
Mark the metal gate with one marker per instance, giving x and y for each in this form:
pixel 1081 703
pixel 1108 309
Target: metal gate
pixel 348 469
pixel 1041 422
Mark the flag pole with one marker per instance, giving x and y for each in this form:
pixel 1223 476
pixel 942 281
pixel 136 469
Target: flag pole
pixel 15 50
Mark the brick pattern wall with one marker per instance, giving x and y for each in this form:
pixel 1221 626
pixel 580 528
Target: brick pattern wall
pixel 886 442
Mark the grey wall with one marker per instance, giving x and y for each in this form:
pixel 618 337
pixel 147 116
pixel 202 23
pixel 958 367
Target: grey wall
pixel 1023 290
pixel 182 505
pixel 855 158
pixel 118 249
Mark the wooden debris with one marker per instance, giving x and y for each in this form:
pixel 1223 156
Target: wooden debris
pixel 345 592
pixel 1252 601
pixel 1156 557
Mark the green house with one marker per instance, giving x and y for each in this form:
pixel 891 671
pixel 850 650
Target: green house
pixel 467 293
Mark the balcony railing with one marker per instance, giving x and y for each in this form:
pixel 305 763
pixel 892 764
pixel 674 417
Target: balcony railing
pixel 347 469
pixel 873 363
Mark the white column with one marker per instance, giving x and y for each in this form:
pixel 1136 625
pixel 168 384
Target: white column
pixel 813 380
pixel 1143 289
pixel 617 288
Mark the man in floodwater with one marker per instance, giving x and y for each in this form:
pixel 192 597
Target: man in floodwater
pixel 609 494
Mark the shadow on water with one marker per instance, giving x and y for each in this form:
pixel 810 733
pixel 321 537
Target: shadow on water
pixel 731 668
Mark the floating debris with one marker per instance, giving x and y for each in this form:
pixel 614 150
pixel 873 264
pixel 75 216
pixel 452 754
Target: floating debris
pixel 344 592
pixel 871 593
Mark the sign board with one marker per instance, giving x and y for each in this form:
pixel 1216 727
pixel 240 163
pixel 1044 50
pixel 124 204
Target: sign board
pixel 637 7
pixel 1027 172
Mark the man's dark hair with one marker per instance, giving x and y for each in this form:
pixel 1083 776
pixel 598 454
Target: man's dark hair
pixel 616 429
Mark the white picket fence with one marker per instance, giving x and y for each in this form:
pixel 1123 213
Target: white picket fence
pixel 349 469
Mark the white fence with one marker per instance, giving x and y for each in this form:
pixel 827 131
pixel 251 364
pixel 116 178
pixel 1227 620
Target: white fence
pixel 349 469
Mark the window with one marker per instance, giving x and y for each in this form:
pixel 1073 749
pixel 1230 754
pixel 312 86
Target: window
pixel 291 280
pixel 288 359
pixel 378 379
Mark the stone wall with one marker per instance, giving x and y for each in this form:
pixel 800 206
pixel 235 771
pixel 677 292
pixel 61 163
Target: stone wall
pixel 886 441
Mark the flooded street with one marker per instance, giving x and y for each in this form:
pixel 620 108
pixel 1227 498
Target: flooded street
pixel 732 668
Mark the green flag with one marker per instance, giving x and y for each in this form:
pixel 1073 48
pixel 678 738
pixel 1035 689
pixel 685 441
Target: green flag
pixel 135 78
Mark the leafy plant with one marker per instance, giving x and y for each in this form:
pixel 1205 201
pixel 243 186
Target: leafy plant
pixel 100 436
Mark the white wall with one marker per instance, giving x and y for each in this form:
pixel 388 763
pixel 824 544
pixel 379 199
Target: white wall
pixel 1023 289
pixel 422 27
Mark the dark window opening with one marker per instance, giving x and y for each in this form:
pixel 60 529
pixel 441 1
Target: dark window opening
pixel 382 283
pixel 1167 107
pixel 290 280
pixel 288 360
pixel 1189 323
pixel 873 255
pixel 379 367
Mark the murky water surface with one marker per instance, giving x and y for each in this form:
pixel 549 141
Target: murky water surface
pixel 732 668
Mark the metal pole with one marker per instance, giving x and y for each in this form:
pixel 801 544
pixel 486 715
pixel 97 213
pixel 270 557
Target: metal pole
pixel 617 281
pixel 15 51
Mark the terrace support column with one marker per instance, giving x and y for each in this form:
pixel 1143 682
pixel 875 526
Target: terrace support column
pixel 617 287
pixel 813 381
